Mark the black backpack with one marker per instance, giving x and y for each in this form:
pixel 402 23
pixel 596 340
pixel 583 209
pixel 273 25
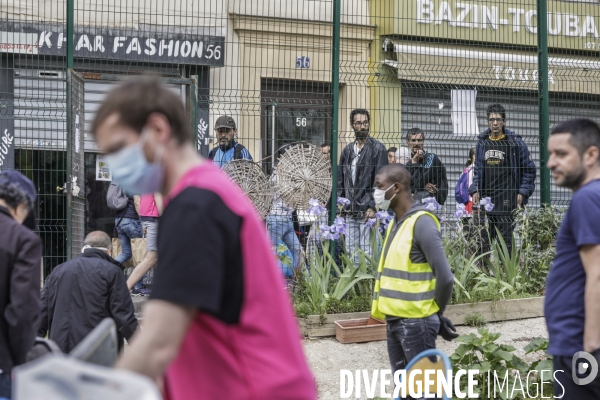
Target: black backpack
pixel 237 153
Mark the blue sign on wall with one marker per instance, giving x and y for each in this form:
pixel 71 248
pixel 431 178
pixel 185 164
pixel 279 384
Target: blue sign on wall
pixel 303 62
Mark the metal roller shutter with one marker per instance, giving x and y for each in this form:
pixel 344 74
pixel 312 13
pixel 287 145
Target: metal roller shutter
pixel 95 92
pixel 40 109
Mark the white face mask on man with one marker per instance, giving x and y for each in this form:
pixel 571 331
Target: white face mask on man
pixel 379 196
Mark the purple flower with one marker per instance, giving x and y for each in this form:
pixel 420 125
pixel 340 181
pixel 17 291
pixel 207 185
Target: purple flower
pixel 315 207
pixel 382 215
pixel 486 202
pixel 334 231
pixel 460 210
pixel 371 223
pixel 431 204
pixel 326 235
pixel 324 228
pixel 442 220
pixel 342 201
pixel 339 226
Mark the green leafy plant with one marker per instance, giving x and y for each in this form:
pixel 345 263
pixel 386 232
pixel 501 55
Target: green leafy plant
pixel 463 263
pixel 504 266
pixel 320 284
pixel 475 319
pixel 544 364
pixel 482 352
pixel 537 230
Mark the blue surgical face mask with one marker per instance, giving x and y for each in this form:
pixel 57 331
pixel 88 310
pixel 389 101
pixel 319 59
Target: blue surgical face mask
pixel 131 170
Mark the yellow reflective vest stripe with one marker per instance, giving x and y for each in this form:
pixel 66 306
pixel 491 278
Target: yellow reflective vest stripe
pixel 402 288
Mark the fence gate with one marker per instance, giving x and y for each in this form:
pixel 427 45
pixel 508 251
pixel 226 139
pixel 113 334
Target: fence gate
pixel 74 188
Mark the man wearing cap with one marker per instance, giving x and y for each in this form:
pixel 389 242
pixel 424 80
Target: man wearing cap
pixel 20 260
pixel 228 149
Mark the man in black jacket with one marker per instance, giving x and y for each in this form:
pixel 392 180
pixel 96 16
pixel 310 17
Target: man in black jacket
pixel 20 265
pixel 427 171
pixel 359 163
pixel 95 283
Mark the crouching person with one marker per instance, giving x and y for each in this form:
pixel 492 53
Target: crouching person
pixel 414 281
pixel 80 293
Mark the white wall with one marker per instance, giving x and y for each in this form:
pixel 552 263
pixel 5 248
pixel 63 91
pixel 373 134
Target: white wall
pixel 353 11
pixel 134 14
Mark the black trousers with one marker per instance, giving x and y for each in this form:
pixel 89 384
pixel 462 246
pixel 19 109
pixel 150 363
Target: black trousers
pixel 504 224
pixel 564 382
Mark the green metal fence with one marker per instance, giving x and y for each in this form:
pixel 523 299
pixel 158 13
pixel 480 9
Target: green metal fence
pixel 292 72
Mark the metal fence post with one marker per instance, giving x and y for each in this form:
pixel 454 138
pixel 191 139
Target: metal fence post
pixel 70 32
pixel 335 89
pixel 544 104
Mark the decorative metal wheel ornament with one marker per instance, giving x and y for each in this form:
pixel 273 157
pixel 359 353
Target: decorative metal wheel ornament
pixel 255 184
pixel 303 173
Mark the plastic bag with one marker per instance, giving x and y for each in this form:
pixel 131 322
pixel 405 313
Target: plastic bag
pixel 59 378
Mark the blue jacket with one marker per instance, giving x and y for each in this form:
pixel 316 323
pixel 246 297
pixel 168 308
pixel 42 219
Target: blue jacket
pixel 523 167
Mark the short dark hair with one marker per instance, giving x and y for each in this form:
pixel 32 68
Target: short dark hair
pixel 325 145
pixel 414 131
pixel 471 155
pixel 496 109
pixel 585 133
pixel 362 111
pixel 394 149
pixel 396 173
pixel 139 97
pixel 13 196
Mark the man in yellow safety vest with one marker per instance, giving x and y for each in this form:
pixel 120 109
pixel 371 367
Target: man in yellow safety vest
pixel 414 281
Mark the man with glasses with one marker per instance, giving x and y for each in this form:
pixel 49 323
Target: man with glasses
pixel 504 171
pixel 427 171
pixel 359 163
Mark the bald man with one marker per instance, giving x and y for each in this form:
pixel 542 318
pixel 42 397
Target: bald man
pixel 95 283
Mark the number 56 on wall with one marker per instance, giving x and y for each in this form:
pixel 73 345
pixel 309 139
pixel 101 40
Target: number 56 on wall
pixel 303 62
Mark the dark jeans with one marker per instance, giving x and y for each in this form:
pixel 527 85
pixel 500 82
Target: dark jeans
pixel 5 386
pixel 406 338
pixel 571 390
pixel 505 223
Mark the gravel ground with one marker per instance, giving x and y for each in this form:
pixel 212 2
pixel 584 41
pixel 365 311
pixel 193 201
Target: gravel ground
pixel 327 356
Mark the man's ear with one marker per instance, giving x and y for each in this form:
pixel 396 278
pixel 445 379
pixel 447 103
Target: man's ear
pixel 591 156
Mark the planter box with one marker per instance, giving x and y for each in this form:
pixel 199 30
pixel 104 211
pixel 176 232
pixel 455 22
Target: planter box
pixel 492 311
pixel 360 330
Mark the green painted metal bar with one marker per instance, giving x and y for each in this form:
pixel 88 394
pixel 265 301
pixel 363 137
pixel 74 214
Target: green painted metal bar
pixel 335 89
pixel 543 98
pixel 67 185
pixel 192 106
pixel 70 32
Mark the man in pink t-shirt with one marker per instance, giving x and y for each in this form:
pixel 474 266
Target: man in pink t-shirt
pixel 219 323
